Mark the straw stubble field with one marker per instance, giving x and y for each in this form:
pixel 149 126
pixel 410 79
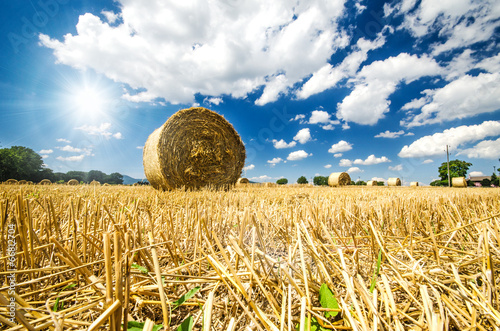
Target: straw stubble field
pixel 251 258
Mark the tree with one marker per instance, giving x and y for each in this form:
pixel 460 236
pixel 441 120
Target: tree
pixel 458 168
pixel 494 180
pixel 78 175
pixel 95 175
pixel 320 180
pixel 380 184
pixel 282 181
pixel 439 182
pixel 114 178
pixel 19 162
pixel 302 180
pixel 360 182
pixel 486 182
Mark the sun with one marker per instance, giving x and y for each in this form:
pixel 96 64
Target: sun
pixel 89 101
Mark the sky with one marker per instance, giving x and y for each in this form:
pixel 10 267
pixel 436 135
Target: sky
pixel 374 88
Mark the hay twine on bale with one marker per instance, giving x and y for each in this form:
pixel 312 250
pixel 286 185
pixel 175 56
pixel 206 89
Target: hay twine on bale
pixel 73 182
pixel 371 183
pixel 194 148
pixel 458 182
pixel 414 184
pixel 394 182
pixel 339 179
pixel 11 182
pixel 45 182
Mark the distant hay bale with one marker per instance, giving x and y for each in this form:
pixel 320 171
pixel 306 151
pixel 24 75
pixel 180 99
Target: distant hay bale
pixel 22 182
pixel 11 182
pixel 371 183
pixel 73 182
pixel 267 184
pixel 394 182
pixel 135 184
pixel 195 147
pixel 106 184
pixel 29 182
pixel 45 182
pixel 95 183
pixel 339 179
pixel 242 181
pixel 414 184
pixel 458 182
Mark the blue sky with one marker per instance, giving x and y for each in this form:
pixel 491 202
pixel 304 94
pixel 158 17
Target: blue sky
pixel 370 87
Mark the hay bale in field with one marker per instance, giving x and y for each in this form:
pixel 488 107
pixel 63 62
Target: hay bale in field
pixel 242 181
pixel 195 147
pixel 394 182
pixel 106 184
pixel 73 182
pixel 268 184
pixel 339 179
pixel 11 182
pixel 458 182
pixel 22 182
pixel 45 182
pixel 29 182
pixel 135 184
pixel 95 183
pixel 371 183
pixel 414 184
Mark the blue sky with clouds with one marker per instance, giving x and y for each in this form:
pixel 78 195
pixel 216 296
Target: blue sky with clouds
pixel 374 88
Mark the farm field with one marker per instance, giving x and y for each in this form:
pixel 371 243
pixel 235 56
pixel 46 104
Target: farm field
pixel 251 258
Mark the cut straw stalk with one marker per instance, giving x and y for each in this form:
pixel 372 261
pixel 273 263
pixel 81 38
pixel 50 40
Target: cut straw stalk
pixel 164 308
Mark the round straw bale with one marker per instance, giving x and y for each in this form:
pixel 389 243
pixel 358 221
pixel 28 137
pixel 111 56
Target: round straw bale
pixel 339 179
pixel 414 184
pixel 394 181
pixel 73 182
pixel 45 182
pixel 106 184
pixel 195 147
pixel 242 181
pixel 95 182
pixel 371 183
pixel 23 182
pixel 29 182
pixel 268 184
pixel 458 182
pixel 11 182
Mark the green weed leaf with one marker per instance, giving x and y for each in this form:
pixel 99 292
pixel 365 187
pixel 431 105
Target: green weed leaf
pixel 327 300
pixel 185 297
pixel 186 325
pixel 140 268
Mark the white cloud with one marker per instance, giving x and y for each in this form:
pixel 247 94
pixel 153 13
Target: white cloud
pixel 299 117
pixel 389 134
pixel 486 149
pixel 70 149
pixel 44 156
pixel 328 166
pixel 249 167
pixel 46 151
pixel 476 173
pixel 319 116
pixel 465 97
pixel 369 101
pixel 379 179
pixel 118 135
pixel 435 144
pixel 328 127
pixel 354 170
pixel 298 155
pixel 345 163
pixel 274 161
pixel 214 101
pixel 280 144
pixel 140 147
pixel 110 16
pixel 399 167
pixel 427 161
pixel 102 130
pixel 303 136
pixel 337 155
pixel 263 178
pixel 234 48
pixel 409 134
pixel 75 158
pixel 341 146
pixel 372 159
pixel 62 140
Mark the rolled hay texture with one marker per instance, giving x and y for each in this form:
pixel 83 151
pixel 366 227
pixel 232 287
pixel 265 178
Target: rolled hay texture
pixel 394 182
pixel 73 182
pixel 414 184
pixel 458 182
pixel 11 182
pixel 45 182
pixel 95 183
pixel 371 183
pixel 339 179
pixel 242 181
pixel 194 148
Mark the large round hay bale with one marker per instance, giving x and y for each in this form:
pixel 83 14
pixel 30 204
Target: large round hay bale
pixel 95 183
pixel 45 182
pixel 73 182
pixel 394 182
pixel 371 183
pixel 195 147
pixel 22 182
pixel 11 182
pixel 458 182
pixel 414 184
pixel 339 179
pixel 242 181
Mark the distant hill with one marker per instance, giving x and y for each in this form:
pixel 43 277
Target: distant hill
pixel 127 180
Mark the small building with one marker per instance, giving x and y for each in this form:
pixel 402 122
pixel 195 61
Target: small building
pixel 476 180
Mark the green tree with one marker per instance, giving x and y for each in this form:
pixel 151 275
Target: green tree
pixel 78 175
pixel 302 180
pixel 19 162
pixel 458 168
pixel 95 175
pixel 114 178
pixel 282 181
pixel 360 182
pixel 380 183
pixel 320 180
pixel 486 182
pixel 494 179
pixel 45 173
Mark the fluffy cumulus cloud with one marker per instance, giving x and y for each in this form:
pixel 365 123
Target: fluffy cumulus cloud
pixel 298 155
pixel 74 158
pixel 369 100
pixel 263 178
pixel 249 167
pixel 46 151
pixel 398 167
pixel 427 161
pixel 352 170
pixel 371 160
pixel 102 130
pixel 465 97
pixel 280 144
pixel 435 144
pixel 476 173
pixel 389 134
pixel 486 149
pixel 274 161
pixel 345 163
pixel 62 140
pixel 322 118
pixel 303 136
pixel 328 166
pixel 174 50
pixel 341 146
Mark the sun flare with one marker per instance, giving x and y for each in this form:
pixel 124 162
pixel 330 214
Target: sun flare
pixel 89 101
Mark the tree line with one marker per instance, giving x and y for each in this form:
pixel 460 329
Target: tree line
pixel 18 162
